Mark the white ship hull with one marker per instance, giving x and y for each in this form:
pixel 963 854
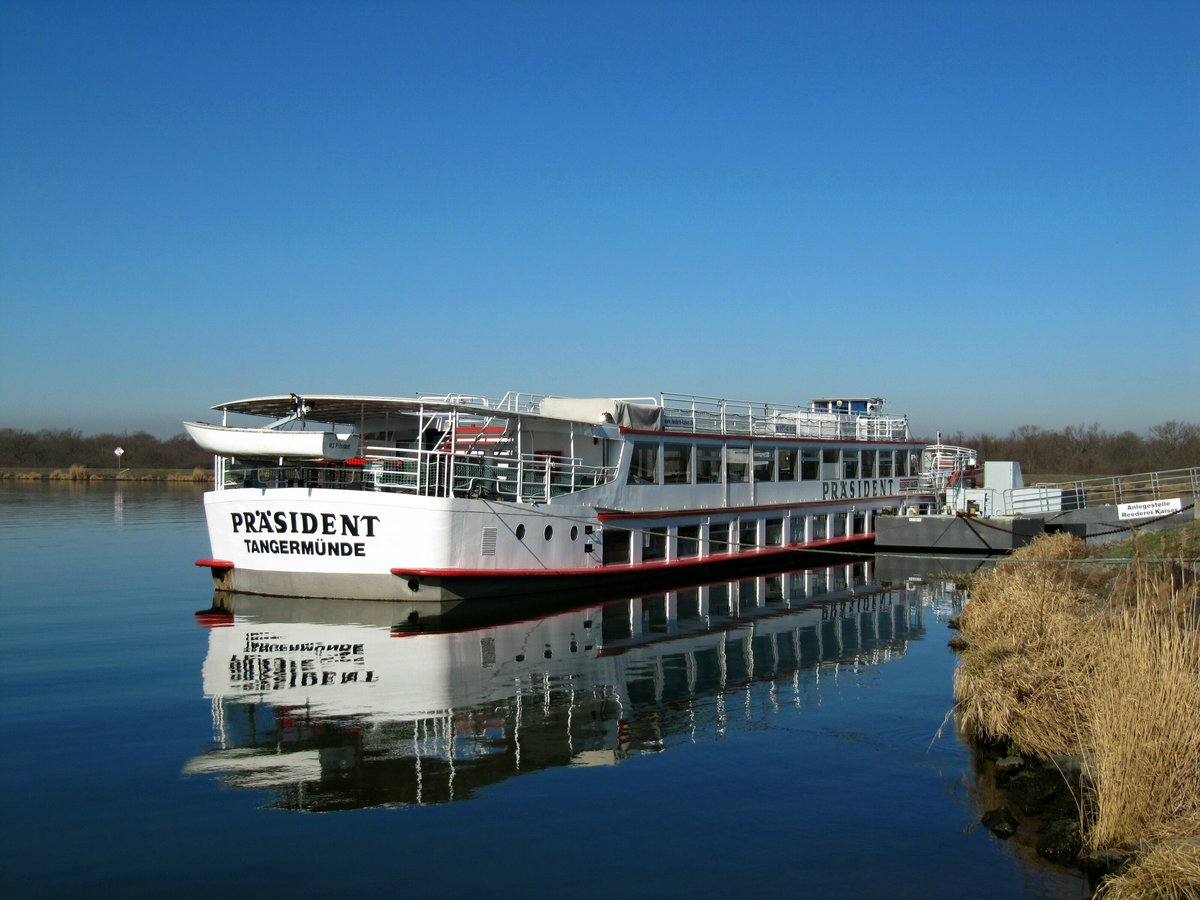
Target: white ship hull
pixel 476 515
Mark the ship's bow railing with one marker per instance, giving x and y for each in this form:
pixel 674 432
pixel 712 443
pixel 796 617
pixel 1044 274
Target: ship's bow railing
pixel 530 478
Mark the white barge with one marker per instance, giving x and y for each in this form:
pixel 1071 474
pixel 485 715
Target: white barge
pixel 456 497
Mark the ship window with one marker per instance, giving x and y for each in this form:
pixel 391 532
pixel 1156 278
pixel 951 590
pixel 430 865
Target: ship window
pixel 737 464
pixel 643 468
pixel 831 464
pixel 574 532
pixel 615 546
pixel 787 465
pixel 774 532
pixel 748 535
pixel 838 525
pixel 520 532
pixel 654 544
pixel 810 465
pixel 797 529
pixel 820 527
pixel 677 463
pixel 549 532
pixel 860 523
pixel 764 464
pixel 718 538
pixel 708 464
pixel 868 464
pixel 850 463
pixel 885 463
pixel 689 541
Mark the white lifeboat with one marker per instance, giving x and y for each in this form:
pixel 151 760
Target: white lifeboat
pixel 269 443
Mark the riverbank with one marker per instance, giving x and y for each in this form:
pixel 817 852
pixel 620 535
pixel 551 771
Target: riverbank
pixel 197 475
pixel 1093 667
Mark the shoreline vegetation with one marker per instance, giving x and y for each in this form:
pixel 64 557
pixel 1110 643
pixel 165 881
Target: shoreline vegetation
pixel 1075 662
pixel 78 473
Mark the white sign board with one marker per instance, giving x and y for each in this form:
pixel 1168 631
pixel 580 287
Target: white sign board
pixel 1148 508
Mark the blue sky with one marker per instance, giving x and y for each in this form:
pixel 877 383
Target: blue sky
pixel 988 213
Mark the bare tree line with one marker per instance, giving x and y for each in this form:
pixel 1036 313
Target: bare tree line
pixel 54 448
pixel 1090 450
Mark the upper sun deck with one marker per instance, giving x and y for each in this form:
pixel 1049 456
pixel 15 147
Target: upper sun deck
pixel 847 418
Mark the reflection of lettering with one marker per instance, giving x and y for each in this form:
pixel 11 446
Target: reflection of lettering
pixel 315 664
pixel 306 548
pixel 264 521
pixel 859 488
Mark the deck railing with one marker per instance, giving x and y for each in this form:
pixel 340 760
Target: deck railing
pixel 513 401
pixel 1115 489
pixel 707 415
pixel 432 473
pixel 521 479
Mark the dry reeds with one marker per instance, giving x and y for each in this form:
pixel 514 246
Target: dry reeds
pixel 1030 655
pixel 1064 656
pixel 1169 870
pixel 198 474
pixel 75 473
pixel 1143 734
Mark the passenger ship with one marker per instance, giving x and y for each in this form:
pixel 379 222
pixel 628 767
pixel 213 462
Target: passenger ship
pixel 453 497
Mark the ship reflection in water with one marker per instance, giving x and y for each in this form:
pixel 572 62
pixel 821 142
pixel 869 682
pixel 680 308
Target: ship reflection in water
pixel 336 705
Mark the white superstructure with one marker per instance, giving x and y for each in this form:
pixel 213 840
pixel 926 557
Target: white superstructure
pixel 459 497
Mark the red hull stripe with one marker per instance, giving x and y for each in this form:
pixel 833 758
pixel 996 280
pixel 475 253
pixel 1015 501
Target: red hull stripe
pixel 655 514
pixel 626 568
pixel 214 619
pixel 215 563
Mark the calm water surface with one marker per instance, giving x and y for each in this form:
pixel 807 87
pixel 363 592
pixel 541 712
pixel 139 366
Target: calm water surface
pixel 773 736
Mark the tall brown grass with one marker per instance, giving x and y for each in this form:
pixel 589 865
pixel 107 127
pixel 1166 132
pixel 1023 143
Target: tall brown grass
pixel 1065 656
pixel 198 474
pixel 75 473
pixel 1030 629
pixel 1142 748
pixel 1169 870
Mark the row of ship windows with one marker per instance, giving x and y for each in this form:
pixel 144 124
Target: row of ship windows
pixel 670 463
pixel 736 536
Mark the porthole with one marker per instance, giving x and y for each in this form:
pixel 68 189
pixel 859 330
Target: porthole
pixel 520 532
pixel 549 532
pixel 574 532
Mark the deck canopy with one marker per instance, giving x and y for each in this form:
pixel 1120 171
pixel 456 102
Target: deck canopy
pixel 350 410
pixel 353 410
pixel 599 410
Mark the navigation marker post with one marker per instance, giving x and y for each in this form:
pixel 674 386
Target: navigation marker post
pixel 119 452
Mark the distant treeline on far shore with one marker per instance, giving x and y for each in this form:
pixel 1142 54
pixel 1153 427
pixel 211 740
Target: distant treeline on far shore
pixel 52 448
pixel 1077 450
pixel 1081 450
